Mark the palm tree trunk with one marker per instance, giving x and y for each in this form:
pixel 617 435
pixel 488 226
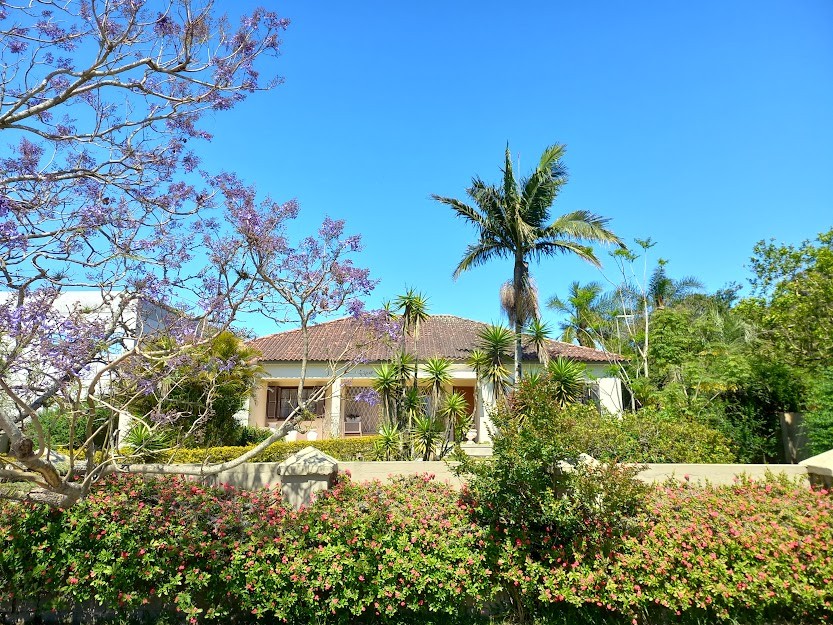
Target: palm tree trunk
pixel 517 285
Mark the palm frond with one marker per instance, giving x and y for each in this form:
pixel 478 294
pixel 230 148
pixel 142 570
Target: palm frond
pixel 582 226
pixel 510 185
pixel 551 248
pixel 462 209
pixel 528 294
pixel 479 254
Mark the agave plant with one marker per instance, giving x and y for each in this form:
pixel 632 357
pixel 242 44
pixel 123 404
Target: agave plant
pixel 567 380
pixel 148 442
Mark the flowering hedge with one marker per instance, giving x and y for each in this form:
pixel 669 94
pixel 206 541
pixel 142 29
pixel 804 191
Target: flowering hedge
pixel 398 551
pixel 411 552
pixel 757 552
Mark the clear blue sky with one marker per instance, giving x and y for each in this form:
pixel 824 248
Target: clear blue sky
pixel 705 125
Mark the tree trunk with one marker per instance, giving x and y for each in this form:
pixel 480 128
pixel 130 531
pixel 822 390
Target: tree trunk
pixel 516 285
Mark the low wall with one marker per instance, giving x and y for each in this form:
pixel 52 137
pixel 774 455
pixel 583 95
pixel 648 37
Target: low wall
pixel 265 474
pixel 720 474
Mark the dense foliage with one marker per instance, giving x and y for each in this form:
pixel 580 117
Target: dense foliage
pixel 210 383
pixel 354 448
pixel 714 359
pixel 750 553
pixel 405 550
pixel 819 417
pixel 410 551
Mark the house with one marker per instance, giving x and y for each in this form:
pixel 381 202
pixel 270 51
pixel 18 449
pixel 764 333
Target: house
pixel 341 362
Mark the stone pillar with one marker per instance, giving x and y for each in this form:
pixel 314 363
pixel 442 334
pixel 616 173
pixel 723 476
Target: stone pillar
pixel 335 408
pixel 794 436
pixel 306 473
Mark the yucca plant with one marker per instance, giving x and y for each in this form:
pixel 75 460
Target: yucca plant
pixel 539 336
pixel 493 345
pixel 389 444
pixel 568 381
pixel 386 382
pixel 425 436
pixel 457 415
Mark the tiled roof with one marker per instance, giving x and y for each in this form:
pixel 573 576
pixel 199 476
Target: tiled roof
pixel 440 336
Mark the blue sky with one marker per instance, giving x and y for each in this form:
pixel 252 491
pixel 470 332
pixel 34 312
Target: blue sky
pixel 706 126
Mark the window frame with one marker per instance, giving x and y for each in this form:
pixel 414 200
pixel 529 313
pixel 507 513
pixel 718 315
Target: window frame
pixel 275 394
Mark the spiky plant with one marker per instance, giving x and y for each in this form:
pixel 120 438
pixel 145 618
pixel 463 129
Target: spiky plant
pixel 494 342
pixel 425 436
pixel 567 378
pixel 389 444
pixel 539 336
pixel 456 413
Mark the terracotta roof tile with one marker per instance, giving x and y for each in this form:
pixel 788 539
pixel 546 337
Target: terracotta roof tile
pixel 441 336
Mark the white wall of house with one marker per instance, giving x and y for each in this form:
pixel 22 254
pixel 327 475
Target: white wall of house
pixel 286 374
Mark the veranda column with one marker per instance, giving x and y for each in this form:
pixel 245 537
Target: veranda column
pixel 485 404
pixel 335 409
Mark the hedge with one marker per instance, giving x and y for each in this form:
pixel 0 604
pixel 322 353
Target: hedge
pixel 410 552
pixel 354 448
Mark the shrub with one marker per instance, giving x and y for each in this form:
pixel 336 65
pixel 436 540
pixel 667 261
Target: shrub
pixel 133 542
pixel 339 448
pixel 818 419
pixel 55 424
pixel 753 553
pixel 400 552
pixel 756 552
pixel 536 482
pixel 250 435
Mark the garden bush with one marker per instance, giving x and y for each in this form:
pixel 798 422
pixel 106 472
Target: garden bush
pixel 411 551
pixel 400 552
pixel 756 552
pixel 818 420
pixel 56 422
pixel 649 435
pixel 354 448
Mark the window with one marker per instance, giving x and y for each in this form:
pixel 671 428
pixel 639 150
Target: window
pixel 282 400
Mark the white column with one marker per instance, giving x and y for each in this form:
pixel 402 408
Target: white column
pixel 257 406
pixel 485 404
pixel 335 408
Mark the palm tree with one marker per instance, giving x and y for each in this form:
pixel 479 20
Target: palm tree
pixel 664 290
pixel 513 222
pixel 587 308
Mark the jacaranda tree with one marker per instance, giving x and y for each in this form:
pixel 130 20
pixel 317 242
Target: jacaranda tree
pixel 102 110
